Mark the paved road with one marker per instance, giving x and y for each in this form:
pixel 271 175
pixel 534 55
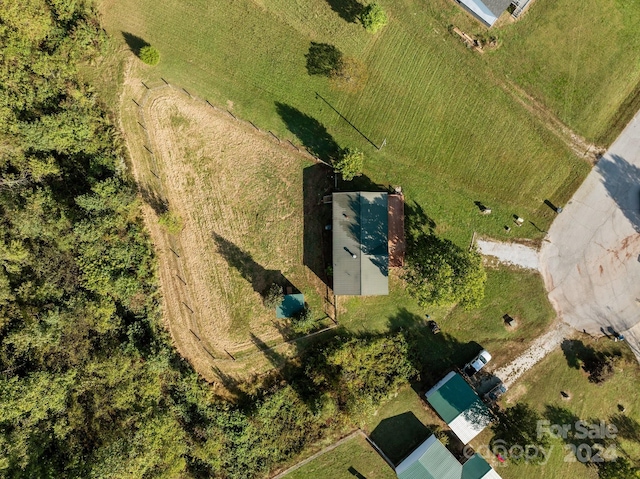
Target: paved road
pixel 590 260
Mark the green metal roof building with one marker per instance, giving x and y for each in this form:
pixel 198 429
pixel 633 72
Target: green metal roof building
pixel 360 243
pixel 459 406
pixel 432 460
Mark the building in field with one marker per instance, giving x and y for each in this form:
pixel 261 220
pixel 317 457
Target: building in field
pixel 459 406
pixel 488 11
pixel 432 460
pixel 360 243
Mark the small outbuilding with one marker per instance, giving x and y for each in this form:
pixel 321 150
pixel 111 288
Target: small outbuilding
pixel 432 460
pixel 459 406
pixel 487 11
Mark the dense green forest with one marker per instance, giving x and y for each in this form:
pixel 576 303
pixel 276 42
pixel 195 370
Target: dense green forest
pixel 89 383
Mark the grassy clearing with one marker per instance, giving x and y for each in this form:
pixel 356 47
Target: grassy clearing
pixel 517 292
pixel 581 59
pixel 452 136
pixel 236 199
pixel 346 461
pixel 541 386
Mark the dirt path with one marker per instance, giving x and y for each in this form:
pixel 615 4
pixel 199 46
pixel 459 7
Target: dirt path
pixel 579 145
pixel 536 352
pixel 510 253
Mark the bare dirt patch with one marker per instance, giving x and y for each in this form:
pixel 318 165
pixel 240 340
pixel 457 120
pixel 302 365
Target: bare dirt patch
pixel 239 197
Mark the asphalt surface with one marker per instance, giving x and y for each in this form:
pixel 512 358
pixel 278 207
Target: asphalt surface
pixel 590 260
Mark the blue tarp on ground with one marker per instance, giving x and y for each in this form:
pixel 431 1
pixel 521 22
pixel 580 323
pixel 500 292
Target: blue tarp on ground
pixel 291 304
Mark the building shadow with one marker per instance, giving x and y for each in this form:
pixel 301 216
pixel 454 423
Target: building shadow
pixel 317 241
pixel 620 178
pixel 134 42
pixel 312 134
pixel 399 435
pixel 259 277
pixel 349 10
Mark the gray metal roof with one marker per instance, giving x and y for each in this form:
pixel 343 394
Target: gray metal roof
pixel 497 6
pixel 487 11
pixel 360 228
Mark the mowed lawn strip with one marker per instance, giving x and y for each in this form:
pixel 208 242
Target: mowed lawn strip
pixel 513 291
pixel 453 136
pixel 345 462
pixel 579 58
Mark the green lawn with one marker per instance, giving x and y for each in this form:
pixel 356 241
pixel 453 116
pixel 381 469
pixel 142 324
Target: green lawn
pixel 541 387
pixel 517 292
pixel 346 461
pixel 580 58
pixel 453 137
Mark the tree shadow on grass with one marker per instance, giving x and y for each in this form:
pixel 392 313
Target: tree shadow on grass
pixel 417 221
pixel 399 435
pixel 259 277
pixel 313 135
pixel 628 428
pixel 432 354
pixel 159 204
pixel 349 10
pixel 134 42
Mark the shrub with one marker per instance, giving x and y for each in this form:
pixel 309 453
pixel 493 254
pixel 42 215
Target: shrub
pixel 371 369
pixel 323 59
pixel 171 222
pixel 304 322
pixel 373 17
pixel 350 163
pixel 274 296
pixel 149 55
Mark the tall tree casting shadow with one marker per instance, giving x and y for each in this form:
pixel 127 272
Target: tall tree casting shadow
pixel 349 10
pixel 323 59
pixel 134 42
pixel 313 135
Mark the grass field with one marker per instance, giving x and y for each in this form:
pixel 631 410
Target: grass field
pixel 453 137
pixel 579 58
pixel 346 461
pixel 541 386
pixel 517 292
pixel 239 197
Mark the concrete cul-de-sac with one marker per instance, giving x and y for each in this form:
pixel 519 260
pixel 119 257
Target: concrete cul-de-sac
pixel 590 260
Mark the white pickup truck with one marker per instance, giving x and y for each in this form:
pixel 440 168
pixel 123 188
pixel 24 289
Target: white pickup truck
pixel 478 363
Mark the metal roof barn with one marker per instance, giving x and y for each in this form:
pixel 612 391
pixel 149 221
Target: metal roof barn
pixel 459 406
pixel 360 243
pixel 432 460
pixel 487 11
